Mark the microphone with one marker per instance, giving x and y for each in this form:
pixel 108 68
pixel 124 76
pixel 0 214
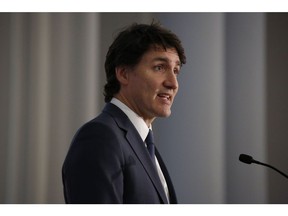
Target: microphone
pixel 249 159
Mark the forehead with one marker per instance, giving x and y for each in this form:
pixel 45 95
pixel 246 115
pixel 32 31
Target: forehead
pixel 158 53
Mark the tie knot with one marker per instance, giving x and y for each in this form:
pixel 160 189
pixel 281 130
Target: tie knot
pixel 150 138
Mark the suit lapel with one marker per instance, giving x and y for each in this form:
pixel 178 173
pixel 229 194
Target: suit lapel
pixel 141 152
pixel 138 147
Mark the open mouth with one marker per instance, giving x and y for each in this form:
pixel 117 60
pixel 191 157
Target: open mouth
pixel 165 96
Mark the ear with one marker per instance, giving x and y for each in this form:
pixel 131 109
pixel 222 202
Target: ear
pixel 122 74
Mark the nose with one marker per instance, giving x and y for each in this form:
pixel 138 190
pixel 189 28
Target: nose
pixel 171 81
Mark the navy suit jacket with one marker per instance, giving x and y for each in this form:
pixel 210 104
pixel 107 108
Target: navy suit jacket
pixel 108 163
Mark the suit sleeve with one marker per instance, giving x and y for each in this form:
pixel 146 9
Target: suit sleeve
pixel 92 171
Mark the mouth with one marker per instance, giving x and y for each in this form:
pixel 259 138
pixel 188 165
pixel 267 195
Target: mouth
pixel 165 97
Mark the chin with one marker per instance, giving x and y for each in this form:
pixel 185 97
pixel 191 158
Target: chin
pixel 165 114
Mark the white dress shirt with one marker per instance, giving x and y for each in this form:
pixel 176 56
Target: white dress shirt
pixel 143 131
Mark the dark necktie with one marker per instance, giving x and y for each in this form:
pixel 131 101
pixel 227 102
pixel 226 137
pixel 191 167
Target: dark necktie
pixel 150 146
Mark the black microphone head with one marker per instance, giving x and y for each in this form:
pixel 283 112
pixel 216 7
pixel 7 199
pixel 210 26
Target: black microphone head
pixel 246 158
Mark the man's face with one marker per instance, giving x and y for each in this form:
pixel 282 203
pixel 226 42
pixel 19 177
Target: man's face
pixel 152 84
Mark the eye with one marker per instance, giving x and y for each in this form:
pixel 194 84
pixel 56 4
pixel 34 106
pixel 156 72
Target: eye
pixel 176 71
pixel 159 68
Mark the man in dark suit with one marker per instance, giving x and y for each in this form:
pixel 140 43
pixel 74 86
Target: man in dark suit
pixel 110 159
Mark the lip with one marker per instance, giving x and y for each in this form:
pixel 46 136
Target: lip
pixel 165 97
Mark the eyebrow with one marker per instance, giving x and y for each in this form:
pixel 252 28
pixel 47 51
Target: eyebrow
pixel 165 59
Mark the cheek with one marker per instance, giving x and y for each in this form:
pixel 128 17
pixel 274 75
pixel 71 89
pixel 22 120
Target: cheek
pixel 146 85
pixel 153 83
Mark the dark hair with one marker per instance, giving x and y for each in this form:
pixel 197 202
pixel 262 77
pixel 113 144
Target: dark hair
pixel 130 45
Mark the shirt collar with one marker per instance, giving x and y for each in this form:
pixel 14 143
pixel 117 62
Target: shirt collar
pixel 136 120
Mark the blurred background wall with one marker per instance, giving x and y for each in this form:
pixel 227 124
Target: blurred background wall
pixel 233 99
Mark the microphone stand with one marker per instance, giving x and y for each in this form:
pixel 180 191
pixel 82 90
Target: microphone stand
pixel 267 165
pixel 248 160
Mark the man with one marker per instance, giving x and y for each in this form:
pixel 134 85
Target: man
pixel 110 160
